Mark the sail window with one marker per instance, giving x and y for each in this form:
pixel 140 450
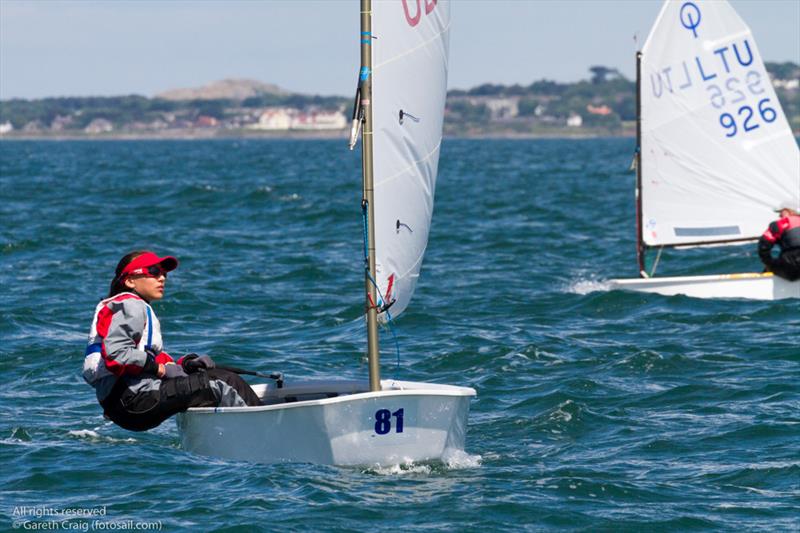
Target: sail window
pixel 706 232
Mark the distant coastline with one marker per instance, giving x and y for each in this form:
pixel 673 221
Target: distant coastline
pixel 602 106
pixel 326 135
pixel 175 135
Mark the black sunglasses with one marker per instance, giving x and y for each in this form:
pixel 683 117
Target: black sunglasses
pixel 152 271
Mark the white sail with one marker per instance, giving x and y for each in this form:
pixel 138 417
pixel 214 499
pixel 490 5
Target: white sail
pixel 718 155
pixel 410 50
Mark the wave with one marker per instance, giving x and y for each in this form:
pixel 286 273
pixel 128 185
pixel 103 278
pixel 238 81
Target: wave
pixel 587 286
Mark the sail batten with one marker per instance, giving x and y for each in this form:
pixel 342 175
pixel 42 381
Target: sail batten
pixel 717 153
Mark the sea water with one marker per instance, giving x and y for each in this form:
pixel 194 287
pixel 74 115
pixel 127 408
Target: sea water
pixel 596 409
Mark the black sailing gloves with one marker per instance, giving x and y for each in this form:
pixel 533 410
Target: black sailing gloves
pixel 172 371
pixel 192 362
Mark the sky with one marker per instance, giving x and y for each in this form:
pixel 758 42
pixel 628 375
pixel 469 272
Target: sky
pixel 116 47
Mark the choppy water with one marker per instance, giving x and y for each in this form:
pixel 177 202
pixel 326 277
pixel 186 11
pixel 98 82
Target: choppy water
pixel 596 410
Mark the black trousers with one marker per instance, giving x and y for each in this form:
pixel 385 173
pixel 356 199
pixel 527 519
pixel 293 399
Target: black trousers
pixel 148 409
pixel 787 265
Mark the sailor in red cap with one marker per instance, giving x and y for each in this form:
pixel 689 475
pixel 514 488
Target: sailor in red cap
pixel 137 383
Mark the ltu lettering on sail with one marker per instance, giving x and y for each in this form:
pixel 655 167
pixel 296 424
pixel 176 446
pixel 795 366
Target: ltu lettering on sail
pixel 704 69
pixel 709 72
pixel 721 53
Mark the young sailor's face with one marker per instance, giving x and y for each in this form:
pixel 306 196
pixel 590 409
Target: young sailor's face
pixel 148 286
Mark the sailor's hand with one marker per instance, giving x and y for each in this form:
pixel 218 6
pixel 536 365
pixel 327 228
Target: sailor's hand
pixel 172 371
pixel 192 363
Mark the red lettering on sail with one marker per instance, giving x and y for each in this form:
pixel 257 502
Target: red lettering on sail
pixel 412 21
pixel 430 5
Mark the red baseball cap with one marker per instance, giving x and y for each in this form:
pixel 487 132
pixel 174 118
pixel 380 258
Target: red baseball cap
pixel 148 259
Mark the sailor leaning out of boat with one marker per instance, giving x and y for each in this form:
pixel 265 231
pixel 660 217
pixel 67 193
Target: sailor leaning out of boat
pixel 138 384
pixel 785 232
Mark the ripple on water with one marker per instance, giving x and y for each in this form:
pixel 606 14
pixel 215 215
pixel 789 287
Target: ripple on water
pixel 596 409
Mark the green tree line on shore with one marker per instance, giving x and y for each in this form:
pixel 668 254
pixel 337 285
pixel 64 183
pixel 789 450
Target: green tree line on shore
pixel 606 86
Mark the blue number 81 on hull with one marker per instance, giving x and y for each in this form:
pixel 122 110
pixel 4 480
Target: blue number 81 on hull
pixel 383 421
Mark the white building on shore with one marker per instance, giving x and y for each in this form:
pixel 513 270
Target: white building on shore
pixel 288 118
pixel 319 120
pixel 574 121
pixel 273 119
pixel 99 125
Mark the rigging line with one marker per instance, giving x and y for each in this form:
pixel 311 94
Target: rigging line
pixel 409 167
pixel 365 214
pixel 655 264
pixel 412 50
pixel 389 321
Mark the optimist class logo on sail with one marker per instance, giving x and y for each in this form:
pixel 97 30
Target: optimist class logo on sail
pixel 690 17
pixel 727 71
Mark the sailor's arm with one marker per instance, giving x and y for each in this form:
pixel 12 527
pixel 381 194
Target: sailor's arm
pixel 766 242
pixel 126 327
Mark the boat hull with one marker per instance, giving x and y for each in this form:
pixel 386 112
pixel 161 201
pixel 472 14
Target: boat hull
pixel 404 422
pixel 752 286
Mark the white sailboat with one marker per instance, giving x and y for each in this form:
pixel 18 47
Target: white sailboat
pixel 400 108
pixel 716 156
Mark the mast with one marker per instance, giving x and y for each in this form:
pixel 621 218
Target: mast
pixel 640 249
pixel 367 197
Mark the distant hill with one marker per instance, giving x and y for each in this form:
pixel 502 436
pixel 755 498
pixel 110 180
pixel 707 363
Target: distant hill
pixel 230 89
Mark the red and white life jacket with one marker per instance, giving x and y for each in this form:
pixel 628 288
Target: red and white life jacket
pixel 97 365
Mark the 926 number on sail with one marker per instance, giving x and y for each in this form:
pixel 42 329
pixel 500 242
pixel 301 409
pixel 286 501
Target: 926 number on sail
pixel 747 118
pixel 383 421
